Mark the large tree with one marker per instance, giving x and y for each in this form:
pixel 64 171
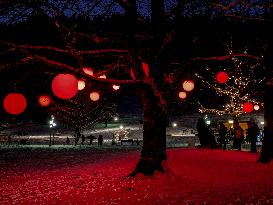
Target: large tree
pixel 150 49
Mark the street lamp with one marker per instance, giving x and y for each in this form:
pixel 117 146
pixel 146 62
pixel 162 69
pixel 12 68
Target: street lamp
pixel 52 125
pixel 208 122
pixel 174 124
pixel 115 118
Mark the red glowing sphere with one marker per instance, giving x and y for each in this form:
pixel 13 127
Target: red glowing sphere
pixel 182 95
pixel 15 103
pixel 188 85
pixel 88 71
pixel 222 77
pixel 65 86
pixel 247 107
pixel 44 100
pixel 94 96
pixel 81 84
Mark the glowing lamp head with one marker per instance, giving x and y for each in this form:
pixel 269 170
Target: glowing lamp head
pixel 116 87
pixel 15 103
pixel 188 85
pixel 88 71
pixel 44 100
pixel 94 96
pixel 182 95
pixel 65 86
pixel 247 107
pixel 256 107
pixel 81 84
pixel 222 77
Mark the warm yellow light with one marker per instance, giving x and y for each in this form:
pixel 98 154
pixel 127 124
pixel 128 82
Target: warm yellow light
pixel 182 95
pixel 81 84
pixel 94 96
pixel 116 87
pixel 188 85
pixel 102 76
pixel 256 107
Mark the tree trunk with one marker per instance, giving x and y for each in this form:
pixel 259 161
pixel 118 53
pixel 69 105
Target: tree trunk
pixel 267 147
pixel 153 152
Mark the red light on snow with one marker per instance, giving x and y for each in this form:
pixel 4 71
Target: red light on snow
pixel 94 96
pixel 182 95
pixel 44 100
pixel 81 84
pixel 116 87
pixel 132 74
pixel 188 85
pixel 247 107
pixel 146 69
pixel 15 103
pixel 222 77
pixel 88 71
pixel 65 86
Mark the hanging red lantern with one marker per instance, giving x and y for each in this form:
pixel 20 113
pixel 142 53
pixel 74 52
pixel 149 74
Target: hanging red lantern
pixel 65 86
pixel 88 71
pixel 94 96
pixel 81 84
pixel 146 69
pixel 188 85
pixel 247 107
pixel 182 95
pixel 116 87
pixel 222 77
pixel 44 100
pixel 15 103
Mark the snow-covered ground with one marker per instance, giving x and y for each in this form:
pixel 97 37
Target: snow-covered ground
pixel 90 175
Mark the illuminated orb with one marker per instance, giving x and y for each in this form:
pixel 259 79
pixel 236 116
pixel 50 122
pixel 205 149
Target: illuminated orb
pixel 247 107
pixel 65 86
pixel 15 103
pixel 222 77
pixel 44 100
pixel 116 87
pixel 188 85
pixel 256 107
pixel 88 71
pixel 182 95
pixel 81 84
pixel 94 96
pixel 102 76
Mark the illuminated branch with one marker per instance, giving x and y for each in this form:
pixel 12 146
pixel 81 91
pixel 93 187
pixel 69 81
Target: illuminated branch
pixel 51 48
pixel 227 57
pixel 103 51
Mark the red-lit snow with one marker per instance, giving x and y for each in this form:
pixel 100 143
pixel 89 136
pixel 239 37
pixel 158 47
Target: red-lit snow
pixel 197 176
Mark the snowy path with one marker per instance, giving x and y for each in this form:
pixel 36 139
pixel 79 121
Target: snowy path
pixel 85 176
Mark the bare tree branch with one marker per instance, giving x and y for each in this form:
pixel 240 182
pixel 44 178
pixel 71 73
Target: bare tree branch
pixel 221 58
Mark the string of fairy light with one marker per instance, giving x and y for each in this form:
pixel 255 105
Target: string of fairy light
pixel 237 89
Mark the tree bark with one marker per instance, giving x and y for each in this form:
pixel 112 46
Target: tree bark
pixel 153 152
pixel 267 146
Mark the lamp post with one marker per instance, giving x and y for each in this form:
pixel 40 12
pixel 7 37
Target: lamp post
pixel 52 124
